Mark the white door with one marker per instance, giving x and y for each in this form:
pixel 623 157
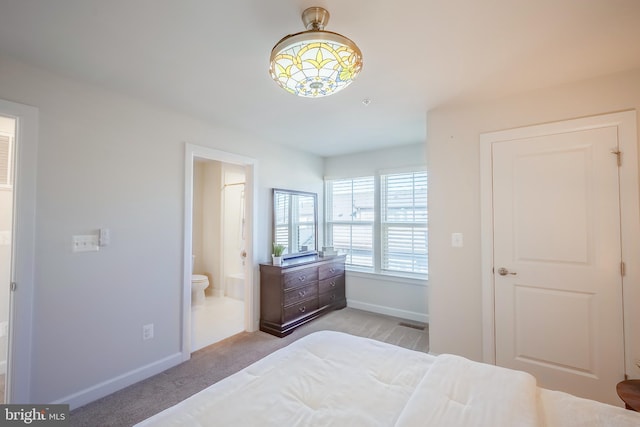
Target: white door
pixel 557 260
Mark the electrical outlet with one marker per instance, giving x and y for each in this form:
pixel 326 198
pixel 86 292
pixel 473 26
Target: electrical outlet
pixel 147 332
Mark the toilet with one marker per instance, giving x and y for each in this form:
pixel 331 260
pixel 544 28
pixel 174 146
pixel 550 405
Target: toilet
pixel 199 282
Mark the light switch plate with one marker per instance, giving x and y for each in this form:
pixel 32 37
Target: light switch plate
pixel 456 240
pixel 87 243
pixel 104 237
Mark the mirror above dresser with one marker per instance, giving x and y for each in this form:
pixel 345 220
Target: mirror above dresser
pixel 295 222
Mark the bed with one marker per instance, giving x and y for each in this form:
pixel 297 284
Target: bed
pixel 335 379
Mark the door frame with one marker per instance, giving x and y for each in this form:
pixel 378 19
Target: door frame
pixel 250 287
pixel 22 251
pixel 629 222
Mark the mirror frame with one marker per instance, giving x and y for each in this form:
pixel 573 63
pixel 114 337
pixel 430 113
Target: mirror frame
pixel 314 196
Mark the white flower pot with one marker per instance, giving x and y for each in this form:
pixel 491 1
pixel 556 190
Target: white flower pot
pixel 277 260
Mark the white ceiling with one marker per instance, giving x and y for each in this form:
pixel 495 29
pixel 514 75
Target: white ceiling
pixel 209 58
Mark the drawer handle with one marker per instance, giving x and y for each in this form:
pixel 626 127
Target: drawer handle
pixel 333 284
pixel 333 297
pixel 302 293
pixel 332 270
pixel 302 309
pixel 302 278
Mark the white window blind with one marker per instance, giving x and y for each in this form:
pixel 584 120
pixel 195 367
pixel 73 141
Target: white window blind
pixel 350 218
pixel 403 224
pixel 5 160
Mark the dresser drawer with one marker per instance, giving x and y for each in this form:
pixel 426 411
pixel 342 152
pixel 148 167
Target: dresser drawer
pixel 294 295
pixel 331 284
pixel 294 279
pixel 300 309
pixel 331 297
pixel 330 270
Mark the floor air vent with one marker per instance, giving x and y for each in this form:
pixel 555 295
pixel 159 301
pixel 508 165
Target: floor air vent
pixel 412 325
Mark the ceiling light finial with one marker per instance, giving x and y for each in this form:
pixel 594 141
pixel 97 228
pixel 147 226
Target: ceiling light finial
pixel 315 63
pixel 315 18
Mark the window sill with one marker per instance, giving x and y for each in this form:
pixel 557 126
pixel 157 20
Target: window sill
pixel 407 280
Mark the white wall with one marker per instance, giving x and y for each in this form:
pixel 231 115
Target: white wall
pixel 455 306
pixel 106 160
pixel 395 296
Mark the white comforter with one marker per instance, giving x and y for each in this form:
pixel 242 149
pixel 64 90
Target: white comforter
pixel 335 379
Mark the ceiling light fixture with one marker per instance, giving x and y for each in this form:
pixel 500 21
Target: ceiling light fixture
pixel 315 63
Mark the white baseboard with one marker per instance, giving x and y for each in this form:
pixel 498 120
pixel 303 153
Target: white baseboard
pixel 112 385
pixel 389 311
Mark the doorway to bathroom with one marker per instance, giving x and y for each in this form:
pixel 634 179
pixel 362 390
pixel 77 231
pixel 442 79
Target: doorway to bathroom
pixel 218 292
pixel 18 158
pixel 218 247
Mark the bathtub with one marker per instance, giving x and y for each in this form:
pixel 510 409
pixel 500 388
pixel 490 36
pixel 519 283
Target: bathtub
pixel 234 286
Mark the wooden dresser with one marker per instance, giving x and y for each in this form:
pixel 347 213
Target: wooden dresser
pixel 298 291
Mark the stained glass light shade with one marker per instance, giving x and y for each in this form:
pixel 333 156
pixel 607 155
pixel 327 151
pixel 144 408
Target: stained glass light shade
pixel 313 63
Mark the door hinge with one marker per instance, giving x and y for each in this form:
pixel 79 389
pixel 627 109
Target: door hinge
pixel 618 154
pixel 622 269
pixel 13 286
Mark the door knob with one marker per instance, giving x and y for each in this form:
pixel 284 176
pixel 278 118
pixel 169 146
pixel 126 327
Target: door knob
pixel 503 272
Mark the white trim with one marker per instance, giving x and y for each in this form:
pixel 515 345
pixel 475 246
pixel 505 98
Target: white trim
pixel 251 318
pixel 630 226
pixel 23 251
pixel 402 314
pixel 112 385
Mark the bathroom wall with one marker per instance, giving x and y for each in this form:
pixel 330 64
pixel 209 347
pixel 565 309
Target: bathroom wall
pixel 206 222
pixel 7 126
pixel 209 264
pixel 198 195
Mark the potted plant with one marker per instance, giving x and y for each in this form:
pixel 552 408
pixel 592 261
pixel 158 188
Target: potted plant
pixel 278 250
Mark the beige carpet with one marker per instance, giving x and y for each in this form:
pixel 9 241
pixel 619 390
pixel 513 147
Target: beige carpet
pixel 211 364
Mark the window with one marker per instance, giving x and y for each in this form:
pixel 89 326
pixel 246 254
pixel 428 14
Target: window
pixel 403 222
pixel 380 222
pixel 350 219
